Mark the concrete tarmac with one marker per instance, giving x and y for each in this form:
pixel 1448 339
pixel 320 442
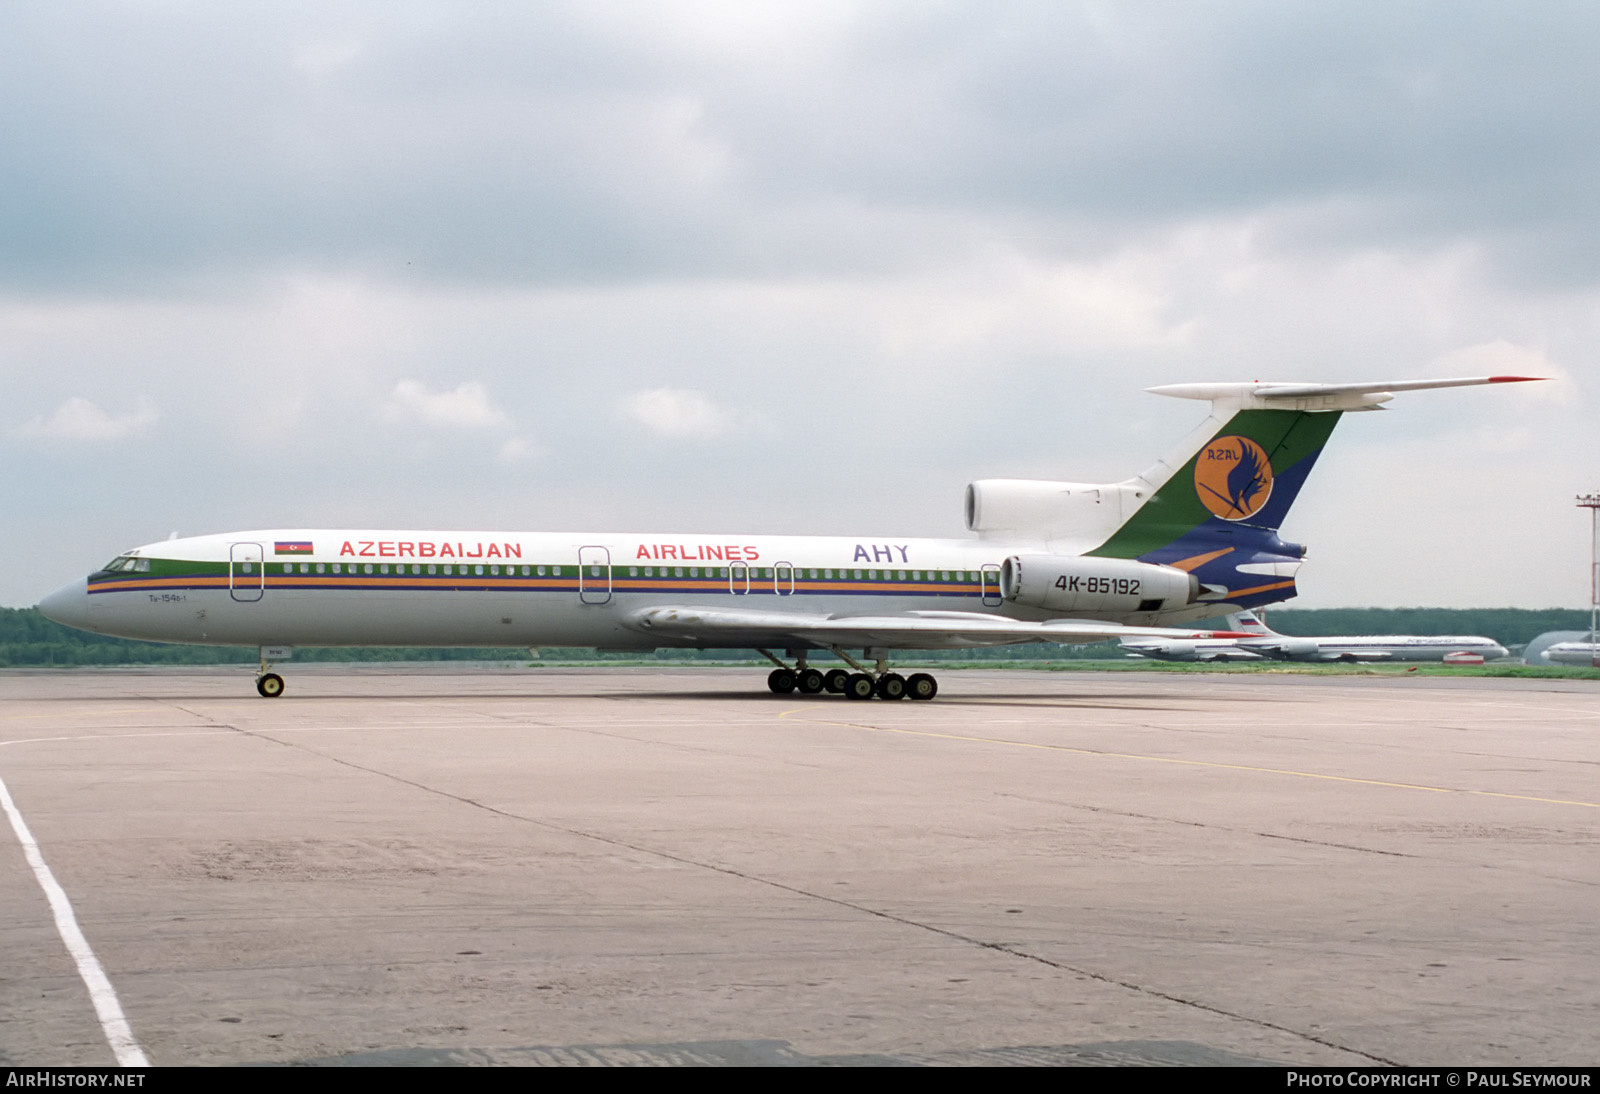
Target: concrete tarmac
pixel 437 865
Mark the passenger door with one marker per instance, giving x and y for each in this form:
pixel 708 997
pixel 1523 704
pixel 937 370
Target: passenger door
pixel 247 572
pixel 594 575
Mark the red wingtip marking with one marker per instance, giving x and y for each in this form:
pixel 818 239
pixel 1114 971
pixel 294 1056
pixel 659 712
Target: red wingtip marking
pixel 1515 379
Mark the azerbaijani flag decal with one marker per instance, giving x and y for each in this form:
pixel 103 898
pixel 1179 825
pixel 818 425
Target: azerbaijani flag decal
pixel 292 547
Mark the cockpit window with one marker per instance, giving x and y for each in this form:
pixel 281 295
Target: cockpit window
pixel 127 564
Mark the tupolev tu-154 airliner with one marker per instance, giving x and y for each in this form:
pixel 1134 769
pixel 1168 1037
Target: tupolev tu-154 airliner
pixel 1193 537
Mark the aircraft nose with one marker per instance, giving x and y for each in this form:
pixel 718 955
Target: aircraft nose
pixel 68 605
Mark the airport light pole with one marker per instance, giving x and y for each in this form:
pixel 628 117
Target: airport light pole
pixel 1591 502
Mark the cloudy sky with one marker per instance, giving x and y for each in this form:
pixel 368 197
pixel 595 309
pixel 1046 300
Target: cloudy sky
pixel 791 267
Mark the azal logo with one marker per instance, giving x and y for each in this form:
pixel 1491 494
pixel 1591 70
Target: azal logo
pixel 1233 477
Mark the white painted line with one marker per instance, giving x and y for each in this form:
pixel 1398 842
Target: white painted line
pixel 101 993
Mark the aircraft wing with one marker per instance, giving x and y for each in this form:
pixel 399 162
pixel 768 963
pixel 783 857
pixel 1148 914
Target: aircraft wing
pixel 905 631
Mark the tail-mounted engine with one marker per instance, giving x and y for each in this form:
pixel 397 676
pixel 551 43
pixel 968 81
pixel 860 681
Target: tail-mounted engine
pixel 1068 583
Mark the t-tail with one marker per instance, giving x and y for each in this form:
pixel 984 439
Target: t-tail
pixel 1215 510
pixel 1212 509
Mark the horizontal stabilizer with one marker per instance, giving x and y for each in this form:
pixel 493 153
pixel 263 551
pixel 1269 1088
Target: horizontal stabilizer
pixel 1316 397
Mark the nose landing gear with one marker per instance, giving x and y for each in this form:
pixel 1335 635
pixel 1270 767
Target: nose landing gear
pixel 269 685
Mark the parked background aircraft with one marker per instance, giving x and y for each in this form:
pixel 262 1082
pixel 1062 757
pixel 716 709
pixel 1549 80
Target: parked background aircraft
pixel 1202 649
pixel 1263 643
pixel 1194 536
pixel 1573 653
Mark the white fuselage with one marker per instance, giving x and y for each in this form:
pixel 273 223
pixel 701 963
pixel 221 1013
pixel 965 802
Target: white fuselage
pixel 1573 653
pixel 298 587
pixel 1198 649
pixel 1375 647
pixel 1379 647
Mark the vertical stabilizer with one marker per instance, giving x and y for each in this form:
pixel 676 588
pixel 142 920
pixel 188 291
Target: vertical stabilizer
pixel 1248 622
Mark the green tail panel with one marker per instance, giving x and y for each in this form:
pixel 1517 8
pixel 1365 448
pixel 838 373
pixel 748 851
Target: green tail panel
pixel 1223 485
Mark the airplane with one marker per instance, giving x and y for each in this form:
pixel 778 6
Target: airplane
pixel 1192 537
pixel 1202 649
pixel 1574 653
pixel 1263 643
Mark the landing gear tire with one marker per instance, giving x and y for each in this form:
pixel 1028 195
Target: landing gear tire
pixel 891 685
pixel 835 680
pixel 811 682
pixel 859 686
pixel 270 685
pixel 781 681
pixel 922 686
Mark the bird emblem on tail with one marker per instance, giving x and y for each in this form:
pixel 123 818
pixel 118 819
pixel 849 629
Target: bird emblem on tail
pixel 1233 477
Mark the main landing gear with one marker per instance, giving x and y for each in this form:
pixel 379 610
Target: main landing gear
pixel 861 684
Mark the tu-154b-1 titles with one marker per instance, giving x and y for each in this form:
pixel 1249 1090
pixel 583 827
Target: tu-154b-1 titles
pixel 1193 537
